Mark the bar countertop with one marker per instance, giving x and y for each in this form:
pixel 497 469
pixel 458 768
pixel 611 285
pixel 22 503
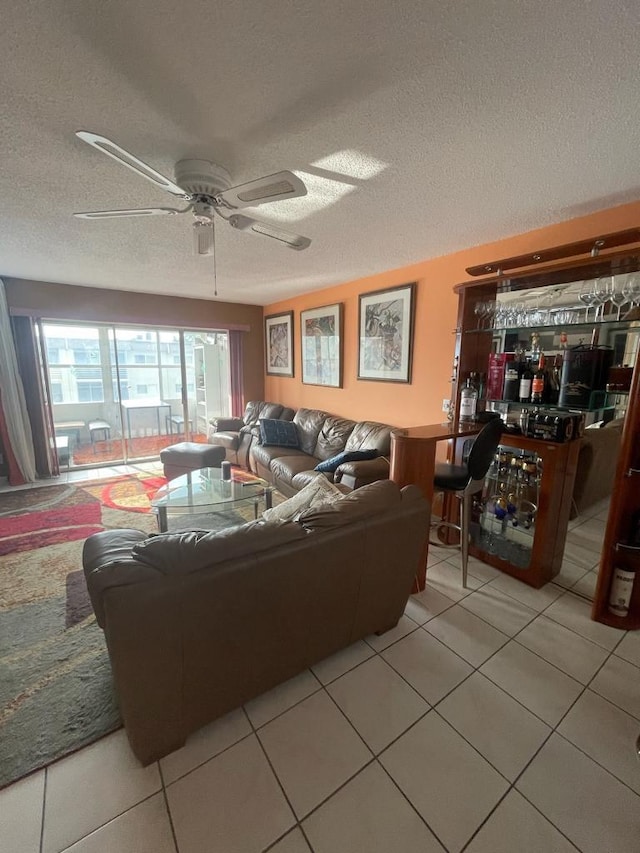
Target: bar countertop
pixel 437 432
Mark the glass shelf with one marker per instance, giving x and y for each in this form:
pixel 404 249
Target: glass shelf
pixel 598 403
pixel 574 327
pixel 504 516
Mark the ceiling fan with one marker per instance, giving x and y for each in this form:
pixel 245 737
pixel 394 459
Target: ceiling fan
pixel 207 188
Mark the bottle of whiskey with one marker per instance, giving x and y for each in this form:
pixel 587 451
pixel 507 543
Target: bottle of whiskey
pixel 538 384
pixel 553 380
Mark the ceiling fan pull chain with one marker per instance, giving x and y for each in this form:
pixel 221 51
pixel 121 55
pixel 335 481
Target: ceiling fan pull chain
pixel 215 258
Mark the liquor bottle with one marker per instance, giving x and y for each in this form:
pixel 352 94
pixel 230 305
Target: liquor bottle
pixel 553 380
pixel 627 562
pixel 511 382
pixel 538 384
pixel 468 401
pixel 526 378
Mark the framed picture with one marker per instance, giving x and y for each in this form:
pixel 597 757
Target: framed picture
pixel 385 340
pixel 278 340
pixel 321 330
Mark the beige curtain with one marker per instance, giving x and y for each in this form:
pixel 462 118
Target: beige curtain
pixel 17 426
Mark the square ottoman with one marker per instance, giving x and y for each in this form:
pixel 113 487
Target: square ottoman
pixel 179 459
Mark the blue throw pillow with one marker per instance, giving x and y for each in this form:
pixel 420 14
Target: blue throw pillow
pixel 278 433
pixel 330 465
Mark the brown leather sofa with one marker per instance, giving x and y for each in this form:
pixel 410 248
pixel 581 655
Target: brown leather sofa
pixel 596 467
pixel 198 623
pixel 237 435
pixel 322 436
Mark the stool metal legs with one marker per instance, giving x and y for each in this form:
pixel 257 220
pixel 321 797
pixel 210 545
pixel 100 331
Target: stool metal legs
pixel 466 503
pixel 465 518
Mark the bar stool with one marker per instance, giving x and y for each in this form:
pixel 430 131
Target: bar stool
pixel 463 481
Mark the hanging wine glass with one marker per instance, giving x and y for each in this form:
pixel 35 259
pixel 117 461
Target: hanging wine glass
pixel 631 289
pixel 616 292
pixel 600 294
pixel 479 309
pixel 586 297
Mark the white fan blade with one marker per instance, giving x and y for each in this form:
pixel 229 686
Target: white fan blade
pixel 106 146
pixel 246 223
pixel 270 188
pixel 140 211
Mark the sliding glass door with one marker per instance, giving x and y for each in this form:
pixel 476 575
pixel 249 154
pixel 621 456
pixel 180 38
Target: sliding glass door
pixel 121 394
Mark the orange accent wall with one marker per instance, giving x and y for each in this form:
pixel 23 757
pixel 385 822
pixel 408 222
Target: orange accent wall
pixel 435 319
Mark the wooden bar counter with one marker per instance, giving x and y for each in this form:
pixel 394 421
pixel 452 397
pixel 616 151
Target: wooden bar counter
pixel 413 456
pixel 413 460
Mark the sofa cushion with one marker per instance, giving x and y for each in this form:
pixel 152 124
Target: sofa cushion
pixel 362 503
pixel 330 465
pixel 284 468
pixel 318 491
pixel 332 437
pixel 278 433
pixel 369 435
pixel 256 409
pixel 183 553
pixel 309 423
pixel 265 455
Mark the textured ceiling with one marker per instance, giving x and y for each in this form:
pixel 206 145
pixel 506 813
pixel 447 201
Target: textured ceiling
pixel 419 127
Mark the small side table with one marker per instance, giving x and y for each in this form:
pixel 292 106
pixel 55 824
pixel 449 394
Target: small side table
pixel 99 431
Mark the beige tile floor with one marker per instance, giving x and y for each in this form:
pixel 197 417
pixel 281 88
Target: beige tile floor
pixel 497 719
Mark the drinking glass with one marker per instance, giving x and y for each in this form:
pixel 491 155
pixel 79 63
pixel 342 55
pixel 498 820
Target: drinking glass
pixel 616 294
pixel 601 287
pixel 586 297
pixel 479 310
pixel 631 289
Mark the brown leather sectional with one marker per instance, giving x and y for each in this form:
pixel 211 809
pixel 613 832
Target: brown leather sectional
pixel 237 435
pixel 198 623
pixel 321 436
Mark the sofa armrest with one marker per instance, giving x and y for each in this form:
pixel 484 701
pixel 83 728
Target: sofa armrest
pixel 108 562
pixel 226 424
pixel 356 474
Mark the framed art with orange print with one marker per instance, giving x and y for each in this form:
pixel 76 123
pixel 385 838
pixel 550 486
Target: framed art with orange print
pixel 321 333
pixel 385 340
pixel 278 341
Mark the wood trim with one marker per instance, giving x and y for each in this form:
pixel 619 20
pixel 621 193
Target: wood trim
pixel 625 500
pixel 568 250
pixel 614 263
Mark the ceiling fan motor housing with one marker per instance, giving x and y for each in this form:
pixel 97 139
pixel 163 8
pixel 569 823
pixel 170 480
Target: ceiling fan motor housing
pixel 202 178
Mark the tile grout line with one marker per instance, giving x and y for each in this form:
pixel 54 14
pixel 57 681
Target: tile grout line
pixel 512 785
pixel 379 653
pixel 166 805
pixel 44 804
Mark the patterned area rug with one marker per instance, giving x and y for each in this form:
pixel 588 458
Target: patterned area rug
pixel 56 692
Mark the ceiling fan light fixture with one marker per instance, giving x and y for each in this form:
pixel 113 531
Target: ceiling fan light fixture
pixel 203 238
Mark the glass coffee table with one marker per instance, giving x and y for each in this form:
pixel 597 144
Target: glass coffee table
pixel 203 492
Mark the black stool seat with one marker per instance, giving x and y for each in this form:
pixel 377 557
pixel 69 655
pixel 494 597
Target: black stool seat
pixel 453 478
